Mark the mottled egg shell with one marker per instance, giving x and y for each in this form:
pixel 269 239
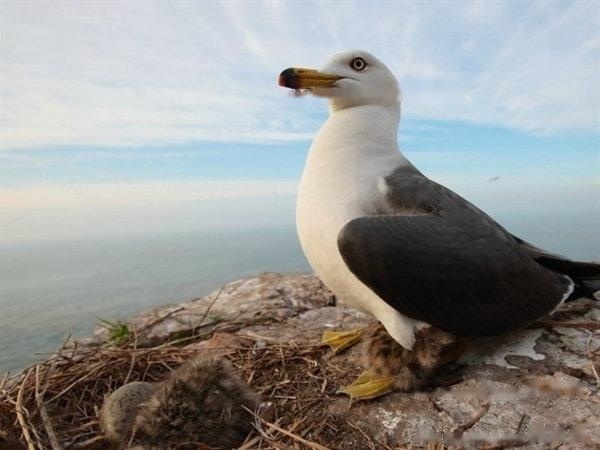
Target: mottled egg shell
pixel 117 416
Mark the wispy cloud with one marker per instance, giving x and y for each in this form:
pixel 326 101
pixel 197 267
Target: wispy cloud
pixel 66 196
pixel 67 211
pixel 156 73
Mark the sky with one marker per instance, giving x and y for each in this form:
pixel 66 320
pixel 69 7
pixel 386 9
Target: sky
pixel 137 117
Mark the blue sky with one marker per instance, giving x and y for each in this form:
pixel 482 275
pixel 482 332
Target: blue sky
pixel 165 116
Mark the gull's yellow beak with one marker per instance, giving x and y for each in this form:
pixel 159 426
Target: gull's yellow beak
pixel 295 78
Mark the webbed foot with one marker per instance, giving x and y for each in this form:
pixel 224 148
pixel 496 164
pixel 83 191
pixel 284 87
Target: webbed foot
pixel 340 340
pixel 368 386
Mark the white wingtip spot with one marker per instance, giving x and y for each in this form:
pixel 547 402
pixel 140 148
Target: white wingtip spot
pixel 569 291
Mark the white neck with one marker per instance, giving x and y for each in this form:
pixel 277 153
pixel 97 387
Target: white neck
pixel 358 134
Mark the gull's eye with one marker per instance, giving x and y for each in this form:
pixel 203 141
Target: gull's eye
pixel 358 64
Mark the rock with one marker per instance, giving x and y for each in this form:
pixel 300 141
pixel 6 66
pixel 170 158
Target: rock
pixel 117 415
pixel 275 297
pixel 538 383
pixel 220 344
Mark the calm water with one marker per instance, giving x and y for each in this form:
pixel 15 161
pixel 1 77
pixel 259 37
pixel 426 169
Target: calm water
pixel 51 289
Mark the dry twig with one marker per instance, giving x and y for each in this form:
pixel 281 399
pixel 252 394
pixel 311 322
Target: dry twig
pixel 275 427
pixel 22 413
pixel 39 396
pixel 458 431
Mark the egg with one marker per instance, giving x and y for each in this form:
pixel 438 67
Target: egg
pixel 118 413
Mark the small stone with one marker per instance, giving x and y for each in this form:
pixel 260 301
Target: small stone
pixel 117 416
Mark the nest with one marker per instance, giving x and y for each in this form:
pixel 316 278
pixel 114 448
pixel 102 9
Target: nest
pixel 54 404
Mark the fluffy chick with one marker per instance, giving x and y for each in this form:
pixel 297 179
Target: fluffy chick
pixel 409 369
pixel 201 403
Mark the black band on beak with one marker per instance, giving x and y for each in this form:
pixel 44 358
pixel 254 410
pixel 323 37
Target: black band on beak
pixel 297 78
pixel 289 78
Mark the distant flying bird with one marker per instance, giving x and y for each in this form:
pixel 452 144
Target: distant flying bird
pixel 495 178
pixel 389 241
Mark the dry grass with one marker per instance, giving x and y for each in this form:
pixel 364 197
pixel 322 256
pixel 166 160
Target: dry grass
pixel 54 404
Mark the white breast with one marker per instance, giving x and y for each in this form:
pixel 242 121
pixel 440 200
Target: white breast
pixel 344 179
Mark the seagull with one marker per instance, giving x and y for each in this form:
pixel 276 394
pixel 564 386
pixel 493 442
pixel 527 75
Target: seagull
pixel 387 240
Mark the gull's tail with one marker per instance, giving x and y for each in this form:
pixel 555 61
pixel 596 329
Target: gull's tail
pixel 585 275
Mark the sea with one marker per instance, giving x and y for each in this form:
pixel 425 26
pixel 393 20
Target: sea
pixel 50 290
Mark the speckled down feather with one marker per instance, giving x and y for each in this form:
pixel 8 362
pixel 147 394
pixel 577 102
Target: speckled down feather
pixel 202 402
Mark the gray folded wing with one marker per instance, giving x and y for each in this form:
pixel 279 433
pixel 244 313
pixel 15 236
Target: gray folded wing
pixel 442 261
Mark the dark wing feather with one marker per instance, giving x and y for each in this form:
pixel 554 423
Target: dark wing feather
pixel 436 258
pixel 463 279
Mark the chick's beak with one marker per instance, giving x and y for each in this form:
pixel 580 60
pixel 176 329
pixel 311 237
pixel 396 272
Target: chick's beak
pixel 296 78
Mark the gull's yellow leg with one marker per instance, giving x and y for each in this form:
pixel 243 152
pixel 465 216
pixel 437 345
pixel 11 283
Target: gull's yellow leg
pixel 340 340
pixel 368 386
